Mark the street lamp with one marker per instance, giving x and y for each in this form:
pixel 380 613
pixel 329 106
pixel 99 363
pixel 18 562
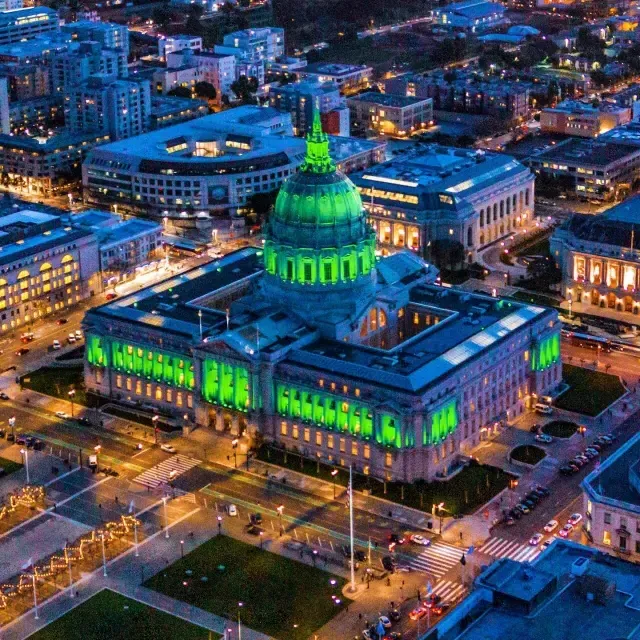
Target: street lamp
pixel 25 455
pixel 334 473
pixel 261 538
pixel 154 420
pixel 280 510
pixel 240 605
pixel 181 549
pixel 72 395
pixel 440 510
pixel 219 525
pixel 12 424
pixel 234 444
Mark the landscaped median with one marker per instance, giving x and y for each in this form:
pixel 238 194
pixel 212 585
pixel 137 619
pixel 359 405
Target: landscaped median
pixel 57 382
pixel 527 454
pixel 560 428
pixel 8 466
pixel 20 506
pixel 590 392
pixel 281 597
pixel 113 616
pixel 464 493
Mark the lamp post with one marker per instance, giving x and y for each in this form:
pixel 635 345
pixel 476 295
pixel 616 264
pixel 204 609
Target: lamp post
pixel 280 510
pixel 261 538
pixel 234 444
pixel 219 525
pixel 12 424
pixel 166 518
pixel 154 420
pixel 72 395
pixel 440 510
pixel 334 473
pixel 181 549
pixel 25 455
pixel 240 605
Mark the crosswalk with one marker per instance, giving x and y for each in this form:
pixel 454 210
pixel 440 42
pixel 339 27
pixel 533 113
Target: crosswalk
pixel 161 473
pixel 437 559
pixel 449 591
pixel 502 548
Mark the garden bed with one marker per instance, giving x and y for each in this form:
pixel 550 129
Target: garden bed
pixel 560 428
pixel 527 454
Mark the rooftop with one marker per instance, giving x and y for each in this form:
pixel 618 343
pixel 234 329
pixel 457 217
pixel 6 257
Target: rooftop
pixel 334 69
pixel 599 153
pixel 566 610
pixel 387 99
pixel 27 14
pixel 578 106
pixel 627 133
pixel 55 142
pixel 474 8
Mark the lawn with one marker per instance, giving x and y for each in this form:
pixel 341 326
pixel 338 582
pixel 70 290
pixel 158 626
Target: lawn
pixel 590 392
pixel 57 381
pixel 464 493
pixel 527 453
pixel 111 615
pixel 277 593
pixel 9 466
pixel 560 428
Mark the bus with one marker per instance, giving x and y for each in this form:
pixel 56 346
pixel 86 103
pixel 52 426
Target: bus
pixel 587 341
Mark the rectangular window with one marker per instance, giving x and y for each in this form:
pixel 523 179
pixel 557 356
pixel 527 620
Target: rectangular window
pixel 169 395
pixel 354 448
pixel 367 452
pixel 637 546
pixel 330 441
pixel 148 390
pixel 119 381
pixel 179 398
pixel 343 445
pixel 307 434
pixel 283 428
pixel 606 538
pixel 190 400
pixel 607 518
pixel 294 431
pixel 388 459
pixel 129 384
pixel 138 387
pixel 319 438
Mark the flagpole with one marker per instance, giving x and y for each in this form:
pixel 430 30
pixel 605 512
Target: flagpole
pixel 353 573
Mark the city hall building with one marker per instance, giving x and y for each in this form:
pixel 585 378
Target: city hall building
pixel 319 347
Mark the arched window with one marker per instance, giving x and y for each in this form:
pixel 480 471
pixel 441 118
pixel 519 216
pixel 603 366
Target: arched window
pixel 45 267
pixel 373 319
pixel 470 236
pixel 363 328
pixel 382 318
pixel 23 274
pixel 67 258
pixel 482 217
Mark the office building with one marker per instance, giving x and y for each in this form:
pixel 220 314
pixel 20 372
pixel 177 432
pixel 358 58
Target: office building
pixel 611 502
pixel 470 15
pixel 169 110
pixel 600 260
pixel 300 99
pixel 324 350
pixel 597 169
pixel 435 192
pixel 45 266
pixel 583 119
pixel 109 34
pixel 120 108
pixel 23 24
pixel 349 78
pixel 171 44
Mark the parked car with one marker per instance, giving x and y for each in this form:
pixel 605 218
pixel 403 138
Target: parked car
pixel 3 396
pixel 565 531
pixel 232 510
pixel 574 518
pixel 111 296
pixel 61 321
pixel 552 525
pixel 388 563
pixel 566 470
pixel 544 409
pixel 78 334
pixel 543 490
pixel 22 351
pixel 432 600
pixel 255 518
pixel 56 345
pixel 533 497
pixel 534 428
pixel 547 543
pixel 544 438
pixel 386 623
pixel 515 513
pixel 535 539
pixel 71 338
pixel 62 414
pixel 394 615
pixel 590 455
pixel 523 507
pixel 418 613
pixel 530 504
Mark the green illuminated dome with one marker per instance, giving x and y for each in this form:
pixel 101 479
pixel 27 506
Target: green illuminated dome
pixel 318 236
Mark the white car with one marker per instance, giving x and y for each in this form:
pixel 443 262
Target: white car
pixel 56 345
pixel 416 538
pixel 62 414
pixel 545 409
pixel 574 518
pixel 386 623
pixel 565 531
pixel 535 539
pixel 551 526
pixel 78 334
pixel 232 510
pixel 71 338
pixel 168 448
pixel 544 438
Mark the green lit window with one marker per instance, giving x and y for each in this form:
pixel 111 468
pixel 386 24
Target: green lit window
pixel 289 268
pixel 346 269
pixel 328 271
pixel 307 272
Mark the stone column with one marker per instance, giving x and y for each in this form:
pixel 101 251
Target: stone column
pixel 219 420
pixel 235 425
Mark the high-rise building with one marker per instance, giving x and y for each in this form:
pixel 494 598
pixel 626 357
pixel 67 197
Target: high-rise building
pixel 109 34
pixel 105 104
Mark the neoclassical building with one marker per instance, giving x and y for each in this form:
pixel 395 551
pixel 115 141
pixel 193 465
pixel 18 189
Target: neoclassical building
pixel 600 259
pixel 318 346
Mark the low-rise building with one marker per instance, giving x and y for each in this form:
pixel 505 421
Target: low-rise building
pixel 171 44
pixel 350 78
pixel 597 169
pixel 611 502
pixel 584 119
pixel 435 193
pixel 22 24
pixel 109 34
pixel 470 15
pixel 301 99
pixel 390 114
pixel 599 257
pixel 45 266
pixel 169 110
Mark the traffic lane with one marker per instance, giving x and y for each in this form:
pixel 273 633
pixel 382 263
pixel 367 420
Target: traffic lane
pixel 624 364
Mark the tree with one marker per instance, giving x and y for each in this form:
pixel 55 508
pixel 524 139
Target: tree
pixel 205 90
pixel 180 92
pixel 193 26
pixel 245 89
pixel 262 203
pixel 162 16
pixel 447 254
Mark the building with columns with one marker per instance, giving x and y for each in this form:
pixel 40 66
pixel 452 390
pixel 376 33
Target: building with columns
pixel 319 347
pixel 434 192
pixel 600 258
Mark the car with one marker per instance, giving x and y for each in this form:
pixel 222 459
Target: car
pixel 83 420
pixel 509 521
pixel 566 470
pixel 603 441
pixel 11 437
pixel 168 448
pixel 253 530
pixel 387 563
pixel 543 490
pixel 232 510
pixel 3 396
pixel 22 351
pixel 534 428
pixel 416 538
pixel 529 503
pixel 552 525
pixel 565 531
pixel 574 518
pixel 535 539
pixel 3 433
pixel 418 613
pixel 590 455
pixel 439 609
pixel 596 447
pixel 111 296
pixel 38 445
pixel 255 518
pixel 62 414
pixel 71 338
pixel 61 321
pixel 580 456
pixel 533 497
pixel 386 623
pixel 21 440
pixel 542 408
pixel 547 543
pixel 393 635
pixel 593 450
pixel 523 507
pixel 612 436
pixel 370 634
pixel 578 462
pixel 394 615
pixel 515 513
pixel 359 555
pixel 78 334
pixel 544 438
pixel 404 568
pixel 56 345
pixel 27 337
pixel 396 538
pixel 432 600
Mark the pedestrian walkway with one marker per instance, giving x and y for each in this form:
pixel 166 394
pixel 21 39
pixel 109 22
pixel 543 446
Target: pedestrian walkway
pixel 502 548
pixel 164 471
pixel 437 559
pixel 449 591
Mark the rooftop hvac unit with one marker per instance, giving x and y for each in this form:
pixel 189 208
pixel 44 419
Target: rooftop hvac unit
pixel 580 566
